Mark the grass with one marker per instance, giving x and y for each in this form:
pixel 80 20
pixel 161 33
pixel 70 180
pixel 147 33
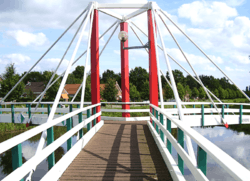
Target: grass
pixel 8 127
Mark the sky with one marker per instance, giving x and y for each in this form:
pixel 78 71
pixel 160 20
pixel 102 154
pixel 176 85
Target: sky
pixel 220 28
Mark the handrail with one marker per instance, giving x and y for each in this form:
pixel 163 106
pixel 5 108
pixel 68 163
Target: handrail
pixel 235 169
pixel 6 145
pixel 27 166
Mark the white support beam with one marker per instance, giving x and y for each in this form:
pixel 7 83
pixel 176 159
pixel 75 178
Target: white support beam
pixel 135 13
pixel 110 13
pixel 123 6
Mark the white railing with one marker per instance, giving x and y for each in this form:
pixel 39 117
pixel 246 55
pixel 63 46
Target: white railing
pixel 20 172
pixel 235 169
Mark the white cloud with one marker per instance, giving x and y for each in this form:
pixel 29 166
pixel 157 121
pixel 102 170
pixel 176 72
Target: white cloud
pixel 235 2
pixel 206 14
pixel 25 38
pixel 240 152
pixel 234 69
pixel 229 69
pixel 210 68
pixel 212 133
pixel 16 58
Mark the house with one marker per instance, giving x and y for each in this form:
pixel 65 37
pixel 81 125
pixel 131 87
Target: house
pixel 71 89
pixel 36 87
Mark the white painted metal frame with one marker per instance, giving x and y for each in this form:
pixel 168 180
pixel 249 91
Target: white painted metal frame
pixel 232 167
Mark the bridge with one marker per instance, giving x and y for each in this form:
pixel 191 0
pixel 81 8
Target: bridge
pixel 123 148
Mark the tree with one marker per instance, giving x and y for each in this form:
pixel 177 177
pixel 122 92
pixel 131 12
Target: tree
pixel 110 91
pixel 216 93
pixel 202 93
pixel 33 77
pixel 72 80
pixel 181 91
pixel 78 72
pixel 195 92
pixel 145 91
pixel 138 77
pixel 188 91
pixel 52 91
pixel 87 93
pixel 191 82
pixel 221 92
pixel 107 75
pixel 168 92
pixel 134 94
pixel 178 77
pixel 10 79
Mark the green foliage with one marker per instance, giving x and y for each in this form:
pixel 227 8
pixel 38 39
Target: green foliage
pixel 110 90
pixel 34 76
pixel 145 91
pixel 168 92
pixel 181 90
pixel 216 93
pixel 52 91
pixel 191 82
pixel 178 77
pixel 134 94
pixel 10 79
pixel 202 93
pixel 138 76
pixel 195 92
pixel 78 72
pixel 188 91
pixel 222 93
pixel 72 80
pixel 110 74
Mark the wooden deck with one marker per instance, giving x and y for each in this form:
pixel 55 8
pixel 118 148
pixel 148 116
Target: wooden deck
pixel 119 151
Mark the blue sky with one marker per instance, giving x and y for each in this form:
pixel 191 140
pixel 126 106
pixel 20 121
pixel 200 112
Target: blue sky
pixel 220 28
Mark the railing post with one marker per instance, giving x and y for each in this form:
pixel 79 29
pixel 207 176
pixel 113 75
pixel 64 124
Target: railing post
pixel 69 126
pixel 194 107
pixel 88 115
pixel 153 112
pixel 50 139
pixel 227 108
pixel 59 106
pixel 1 109
pixel 180 137
pixel 241 107
pixel 12 113
pixel 202 115
pixel 17 157
pixel 42 106
pixel 211 106
pixel 169 145
pixel 202 160
pixel 29 110
pixel 80 120
pixel 222 112
pixel 156 125
pixel 161 132
pixel 175 107
pixel 93 113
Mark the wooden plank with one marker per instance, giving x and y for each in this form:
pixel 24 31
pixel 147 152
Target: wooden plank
pixel 119 151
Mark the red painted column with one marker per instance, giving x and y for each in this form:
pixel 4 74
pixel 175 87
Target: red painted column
pixel 153 79
pixel 95 79
pixel 125 72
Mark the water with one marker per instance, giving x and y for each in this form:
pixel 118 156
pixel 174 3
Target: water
pixel 236 144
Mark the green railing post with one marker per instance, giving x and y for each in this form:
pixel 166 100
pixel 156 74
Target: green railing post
pixel 69 126
pixel 50 139
pixel 29 110
pixel 12 113
pixel 1 109
pixel 175 107
pixel 156 125
pixel 202 160
pixel 59 106
pixel 93 113
pixel 17 157
pixel 88 115
pixel 180 137
pixel 222 112
pixel 153 112
pixel 194 107
pixel 169 145
pixel 80 120
pixel 42 106
pixel 241 107
pixel 161 132
pixel 211 106
pixel 227 108
pixel 202 115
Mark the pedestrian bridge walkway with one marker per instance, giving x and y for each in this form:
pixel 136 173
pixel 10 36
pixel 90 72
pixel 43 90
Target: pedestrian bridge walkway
pixel 119 151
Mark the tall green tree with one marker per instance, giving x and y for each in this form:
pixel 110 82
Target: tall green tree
pixel 10 79
pixel 202 93
pixel 134 94
pixel 34 76
pixel 78 72
pixel 181 90
pixel 138 76
pixel 52 91
pixel 145 91
pixel 191 82
pixel 110 91
pixel 195 92
pixel 87 93
pixel 168 92
pixel 188 91
pixel 216 93
pixel 178 77
pixel 221 92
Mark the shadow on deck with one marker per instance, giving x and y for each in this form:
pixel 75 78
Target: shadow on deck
pixel 119 151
